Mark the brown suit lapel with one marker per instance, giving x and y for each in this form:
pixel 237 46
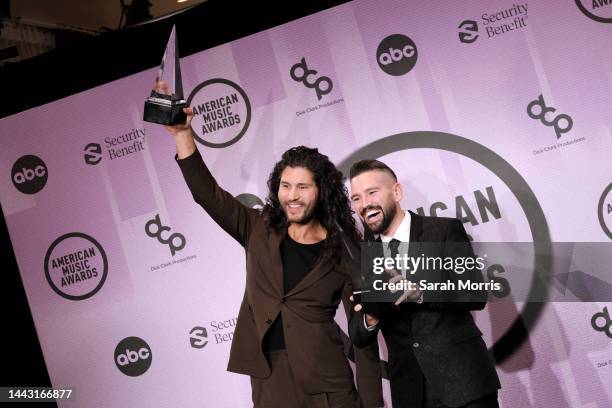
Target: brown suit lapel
pixel 274 271
pixel 320 270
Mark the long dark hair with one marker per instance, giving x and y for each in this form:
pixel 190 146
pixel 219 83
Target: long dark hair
pixel 332 210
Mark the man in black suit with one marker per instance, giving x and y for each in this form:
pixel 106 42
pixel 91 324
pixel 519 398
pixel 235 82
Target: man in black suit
pixel 437 357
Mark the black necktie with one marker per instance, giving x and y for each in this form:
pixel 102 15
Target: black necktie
pixel 394 247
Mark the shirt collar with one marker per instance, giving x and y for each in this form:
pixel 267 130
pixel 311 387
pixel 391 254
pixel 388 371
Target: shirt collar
pixel 402 233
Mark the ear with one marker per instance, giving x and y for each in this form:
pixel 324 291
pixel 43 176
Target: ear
pixel 398 192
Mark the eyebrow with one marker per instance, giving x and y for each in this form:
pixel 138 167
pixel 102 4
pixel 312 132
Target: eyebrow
pixel 298 184
pixel 367 190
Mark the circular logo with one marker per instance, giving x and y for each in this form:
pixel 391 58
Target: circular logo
pixel 396 54
pixel 29 174
pixel 517 333
pixel 76 266
pixel 250 200
pixel 133 356
pixel 604 211
pixel 222 112
pixel 598 10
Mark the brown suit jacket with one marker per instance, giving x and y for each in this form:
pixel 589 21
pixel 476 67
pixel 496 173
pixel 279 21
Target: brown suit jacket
pixel 312 338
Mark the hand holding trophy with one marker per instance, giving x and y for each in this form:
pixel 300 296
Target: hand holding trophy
pixel 162 106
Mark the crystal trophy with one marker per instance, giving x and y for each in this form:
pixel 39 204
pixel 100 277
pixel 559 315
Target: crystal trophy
pixel 159 107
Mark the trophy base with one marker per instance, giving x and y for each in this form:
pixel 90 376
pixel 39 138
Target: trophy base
pixel 164 114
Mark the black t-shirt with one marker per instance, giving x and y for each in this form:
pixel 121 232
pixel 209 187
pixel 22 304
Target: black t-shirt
pixel 298 260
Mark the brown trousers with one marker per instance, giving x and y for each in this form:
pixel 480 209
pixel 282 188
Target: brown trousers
pixel 280 390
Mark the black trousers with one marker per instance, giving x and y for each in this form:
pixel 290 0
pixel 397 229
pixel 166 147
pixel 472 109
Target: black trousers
pixel 432 401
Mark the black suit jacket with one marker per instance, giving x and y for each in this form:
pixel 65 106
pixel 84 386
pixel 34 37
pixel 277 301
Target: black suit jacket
pixel 436 339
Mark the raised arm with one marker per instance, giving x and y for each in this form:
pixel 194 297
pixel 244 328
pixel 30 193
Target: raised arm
pixel 236 219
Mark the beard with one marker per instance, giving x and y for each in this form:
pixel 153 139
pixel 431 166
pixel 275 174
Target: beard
pixel 309 215
pixel 387 217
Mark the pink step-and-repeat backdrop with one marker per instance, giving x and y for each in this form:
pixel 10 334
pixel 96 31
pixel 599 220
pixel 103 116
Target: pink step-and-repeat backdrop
pixel 495 112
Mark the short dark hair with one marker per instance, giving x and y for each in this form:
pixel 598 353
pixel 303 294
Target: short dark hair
pixel 368 165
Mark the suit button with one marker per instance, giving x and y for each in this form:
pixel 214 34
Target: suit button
pixel 415 344
pixel 269 321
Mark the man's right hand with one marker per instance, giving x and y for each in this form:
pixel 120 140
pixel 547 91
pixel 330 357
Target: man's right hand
pixel 185 145
pixel 370 320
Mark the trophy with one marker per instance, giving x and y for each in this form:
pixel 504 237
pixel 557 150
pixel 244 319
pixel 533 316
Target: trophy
pixel 363 293
pixel 167 109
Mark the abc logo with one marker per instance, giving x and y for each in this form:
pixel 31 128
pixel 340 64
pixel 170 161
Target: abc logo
pixel 396 54
pixel 604 210
pixel 29 174
pixel 133 356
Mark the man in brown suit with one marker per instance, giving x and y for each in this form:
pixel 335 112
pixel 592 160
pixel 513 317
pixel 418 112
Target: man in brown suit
pixel 286 338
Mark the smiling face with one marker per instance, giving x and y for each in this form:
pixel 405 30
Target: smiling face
pixel 298 194
pixel 376 196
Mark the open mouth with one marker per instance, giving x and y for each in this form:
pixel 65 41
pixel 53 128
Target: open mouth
pixel 372 214
pixel 294 207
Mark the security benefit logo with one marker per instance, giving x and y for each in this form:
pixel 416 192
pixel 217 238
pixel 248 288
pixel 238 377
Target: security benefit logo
pixel 221 112
pixel 494 23
pixel 197 337
pixel 222 331
pixel 468 31
pixel 601 322
pixel 133 356
pixel 115 147
pixel 29 174
pixel 561 123
pixel 597 10
pixel 175 241
pixel 604 211
pixel 76 266
pixel 396 55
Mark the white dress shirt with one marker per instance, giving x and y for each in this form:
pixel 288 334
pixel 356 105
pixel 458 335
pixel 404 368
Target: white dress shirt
pixel 402 234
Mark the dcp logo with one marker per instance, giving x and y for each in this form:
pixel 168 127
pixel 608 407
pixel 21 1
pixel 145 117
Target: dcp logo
pixel 93 153
pixel 29 174
pixel 133 356
pixel 541 112
pixel 197 337
pixel 170 240
pixel 468 31
pixel 300 73
pixel 396 54
pixel 605 323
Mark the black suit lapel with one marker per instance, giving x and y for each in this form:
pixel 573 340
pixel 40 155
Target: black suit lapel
pixel 416 231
